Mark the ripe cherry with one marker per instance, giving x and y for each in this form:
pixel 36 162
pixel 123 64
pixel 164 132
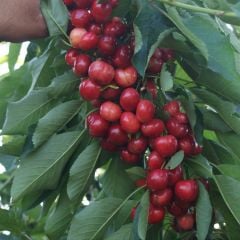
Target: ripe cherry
pixel 158 53
pixel 155 65
pixel 153 128
pixel 107 45
pixel 186 190
pixel 102 72
pixel 162 198
pixel 126 77
pixel 137 145
pixel 95 28
pixel 133 213
pixel 140 182
pixel 176 129
pixel 172 108
pixel 88 41
pixel 181 117
pixel 129 122
pixel 151 88
pixel 167 54
pixel 70 56
pixel 115 28
pixel 108 145
pixel 155 161
pixel 75 35
pixel 101 11
pixel 122 56
pixel 129 99
pixel 155 215
pixel 186 144
pixel 186 222
pixel 68 2
pixel 80 18
pixel 111 93
pixel 114 3
pixel 176 210
pixel 110 111
pixel 81 65
pixel 129 158
pixel 89 90
pixel 157 179
pixel 83 3
pixel 145 111
pixel 117 136
pixel 175 175
pixel 166 146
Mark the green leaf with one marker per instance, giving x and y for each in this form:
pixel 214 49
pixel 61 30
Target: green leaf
pixel 230 170
pixel 229 189
pixel 82 170
pixel 122 9
pixel 14 50
pixel 56 16
pixel 166 79
pixel 203 212
pixel 175 160
pixel 54 120
pixel 41 170
pixel 125 232
pixel 147 36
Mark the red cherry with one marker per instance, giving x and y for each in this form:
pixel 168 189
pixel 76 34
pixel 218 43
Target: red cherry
pixel 83 3
pixel 175 175
pixel 176 129
pixel 137 145
pixel 129 122
pixel 117 136
pixel 70 56
pixel 157 179
pixel 122 56
pixel 197 149
pixel 176 210
pixel 96 103
pixel 152 88
pixel 155 161
pixel 75 35
pixel 181 117
pixel 206 184
pixel 155 215
pixel 155 65
pixel 133 213
pixel 145 111
pixel 68 2
pixel 167 54
pixel 140 182
pixel 129 158
pixel 95 28
pixel 114 3
pixel 89 90
pixel 115 28
pixel 80 18
pixel 158 53
pixel 110 111
pixel 153 129
pixel 162 198
pixel 107 45
pixel 129 99
pixel 166 146
pixel 186 190
pixel 97 126
pixel 126 77
pixel 186 144
pixel 172 108
pixel 82 64
pixel 102 72
pixel 107 145
pixel 88 41
pixel 186 222
pixel 111 93
pixel 101 11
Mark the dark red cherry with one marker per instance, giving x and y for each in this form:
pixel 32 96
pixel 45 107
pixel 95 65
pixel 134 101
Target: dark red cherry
pixel 117 136
pixel 157 179
pixel 137 145
pixel 129 99
pixel 166 146
pixel 129 158
pixel 89 90
pixel 155 161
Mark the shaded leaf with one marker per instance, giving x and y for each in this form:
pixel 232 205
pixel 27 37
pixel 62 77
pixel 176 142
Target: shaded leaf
pixel 125 232
pixel 175 160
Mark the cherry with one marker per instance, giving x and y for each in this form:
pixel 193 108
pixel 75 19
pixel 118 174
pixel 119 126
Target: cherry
pixel 102 72
pixel 186 144
pixel 126 77
pixel 108 145
pixel 137 145
pixel 153 128
pixel 186 222
pixel 167 54
pixel 107 45
pixel 70 56
pixel 129 99
pixel 157 179
pixel 133 213
pixel 162 198
pixel 101 11
pixel 117 136
pixel 158 53
pixel 88 41
pixel 80 18
pixel 172 108
pixel 175 175
pixel 81 65
pixel 181 117
pixel 197 149
pixel 114 3
pixel 155 65
pixel 68 2
pixel 96 103
pixel 176 129
pixel 83 3
pixel 89 90
pixel 155 215
pixel 95 28
pixel 152 88
pixel 145 111
pixel 75 35
pixel 115 28
pixel 205 182
pixel 186 190
pixel 176 210
pixel 155 161
pixel 110 111
pixel 97 126
pixel 166 146
pixel 129 122
pixel 111 93
pixel 140 182
pixel 129 158
pixel 122 56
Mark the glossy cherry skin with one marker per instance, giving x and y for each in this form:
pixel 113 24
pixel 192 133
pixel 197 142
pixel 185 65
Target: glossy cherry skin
pixel 97 126
pixel 117 136
pixel 181 117
pixel 186 190
pixel 162 198
pixel 101 11
pixel 108 146
pixel 186 144
pixel 129 99
pixel 157 179
pixel 129 122
pixel 145 111
pixel 137 145
pixel 186 222
pixel 88 41
pixel 129 158
pixel 175 175
pixel 152 88
pixel 110 111
pixel 155 65
pixel 155 161
pixel 176 129
pixel 172 108
pixel 167 54
pixel 176 210
pixel 166 146
pixel 80 18
pixel 126 77
pixel 122 56
pixel 75 35
pixel 107 45
pixel 83 3
pixel 111 93
pixel 89 90
pixel 155 215
pixel 70 56
pixel 158 53
pixel 95 28
pixel 153 128
pixel 115 28
pixel 68 2
pixel 102 72
pixel 81 65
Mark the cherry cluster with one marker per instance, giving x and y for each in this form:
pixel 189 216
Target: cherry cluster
pixel 125 121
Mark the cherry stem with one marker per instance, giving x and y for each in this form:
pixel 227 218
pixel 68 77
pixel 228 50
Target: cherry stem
pixel 109 86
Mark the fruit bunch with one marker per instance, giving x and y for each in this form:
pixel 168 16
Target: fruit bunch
pixel 125 119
